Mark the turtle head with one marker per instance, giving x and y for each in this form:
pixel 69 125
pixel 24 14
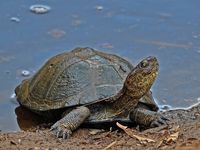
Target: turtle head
pixel 141 78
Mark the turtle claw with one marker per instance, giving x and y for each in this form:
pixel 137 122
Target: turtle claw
pixel 58 133
pixel 66 134
pixel 61 131
pixel 159 121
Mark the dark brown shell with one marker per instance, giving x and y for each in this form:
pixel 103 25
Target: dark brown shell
pixel 74 78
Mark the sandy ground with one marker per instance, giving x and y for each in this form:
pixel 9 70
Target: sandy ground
pixel 183 132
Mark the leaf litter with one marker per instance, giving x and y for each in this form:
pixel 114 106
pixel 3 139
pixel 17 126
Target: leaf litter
pixel 164 135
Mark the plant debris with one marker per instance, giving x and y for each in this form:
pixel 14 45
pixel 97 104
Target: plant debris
pixel 132 133
pixel 110 145
pixel 95 131
pixel 181 133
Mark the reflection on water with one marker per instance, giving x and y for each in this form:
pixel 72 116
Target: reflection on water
pixel 26 119
pixel 169 30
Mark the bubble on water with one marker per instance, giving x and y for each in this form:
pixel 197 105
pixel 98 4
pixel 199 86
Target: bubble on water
pixel 25 73
pixel 15 19
pixel 195 36
pixel 99 7
pixel 40 9
pixel 198 99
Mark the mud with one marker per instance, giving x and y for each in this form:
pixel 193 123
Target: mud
pixel 183 132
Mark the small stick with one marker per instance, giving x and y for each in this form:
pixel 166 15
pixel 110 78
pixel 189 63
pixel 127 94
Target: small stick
pixel 110 145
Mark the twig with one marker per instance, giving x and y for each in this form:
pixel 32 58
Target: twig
pixel 132 134
pixel 110 145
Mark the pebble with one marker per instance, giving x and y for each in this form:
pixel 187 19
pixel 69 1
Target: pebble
pixel 15 19
pixel 25 73
pixel 40 9
pixel 19 141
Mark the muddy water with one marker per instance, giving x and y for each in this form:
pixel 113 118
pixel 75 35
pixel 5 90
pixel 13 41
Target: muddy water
pixel 167 29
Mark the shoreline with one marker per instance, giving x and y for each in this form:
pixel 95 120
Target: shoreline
pixel 186 122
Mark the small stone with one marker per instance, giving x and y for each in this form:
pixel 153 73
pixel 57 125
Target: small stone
pixel 19 141
pixel 25 73
pixel 99 7
pixel 40 9
pixel 15 19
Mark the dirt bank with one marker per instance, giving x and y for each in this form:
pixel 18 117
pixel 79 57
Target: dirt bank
pixel 183 132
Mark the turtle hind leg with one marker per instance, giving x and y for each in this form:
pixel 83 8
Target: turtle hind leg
pixel 71 121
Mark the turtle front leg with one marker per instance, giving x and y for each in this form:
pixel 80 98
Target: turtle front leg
pixel 71 121
pixel 147 117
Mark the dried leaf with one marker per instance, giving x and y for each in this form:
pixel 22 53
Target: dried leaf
pixel 175 128
pixel 173 137
pixel 168 136
pixel 159 144
pixel 132 134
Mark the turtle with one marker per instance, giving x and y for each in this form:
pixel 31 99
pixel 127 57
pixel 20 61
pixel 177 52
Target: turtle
pixel 87 86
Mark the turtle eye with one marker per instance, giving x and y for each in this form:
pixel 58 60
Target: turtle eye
pixel 144 64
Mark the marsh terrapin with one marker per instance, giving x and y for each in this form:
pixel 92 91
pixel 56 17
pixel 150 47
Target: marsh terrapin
pixel 91 87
